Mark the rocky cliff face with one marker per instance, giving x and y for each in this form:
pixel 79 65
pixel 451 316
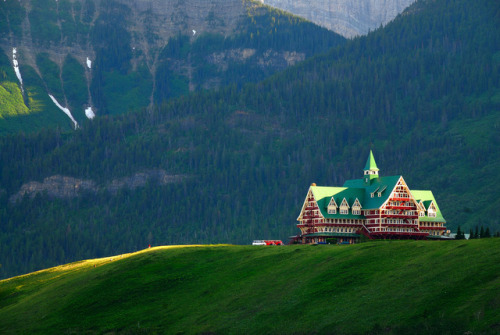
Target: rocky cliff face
pixel 348 18
pixel 96 57
pixel 64 187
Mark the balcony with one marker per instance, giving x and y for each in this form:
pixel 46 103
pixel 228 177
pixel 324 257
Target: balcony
pixel 401 207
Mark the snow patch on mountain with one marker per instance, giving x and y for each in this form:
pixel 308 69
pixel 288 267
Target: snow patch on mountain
pixel 89 113
pixel 65 110
pixel 16 67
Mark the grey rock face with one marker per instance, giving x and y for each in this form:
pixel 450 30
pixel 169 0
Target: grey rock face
pixel 64 187
pixel 346 17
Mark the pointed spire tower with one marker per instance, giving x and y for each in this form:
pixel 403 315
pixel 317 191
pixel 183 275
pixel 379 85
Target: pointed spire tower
pixel 371 169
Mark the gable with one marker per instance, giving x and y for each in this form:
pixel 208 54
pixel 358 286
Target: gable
pixel 426 198
pixel 344 204
pixel 356 204
pixel 309 195
pixel 332 203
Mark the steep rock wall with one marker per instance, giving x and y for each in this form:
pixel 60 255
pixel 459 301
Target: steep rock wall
pixel 348 18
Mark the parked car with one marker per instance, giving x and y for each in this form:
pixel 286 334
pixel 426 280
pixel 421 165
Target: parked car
pixel 267 242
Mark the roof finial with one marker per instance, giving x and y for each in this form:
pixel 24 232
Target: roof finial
pixel 370 163
pixel 371 169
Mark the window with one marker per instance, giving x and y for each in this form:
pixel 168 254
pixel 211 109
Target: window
pixel 356 212
pixel 344 211
pixel 332 211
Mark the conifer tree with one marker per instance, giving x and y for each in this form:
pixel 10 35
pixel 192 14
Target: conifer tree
pixel 476 232
pixel 487 232
pixel 471 234
pixel 460 235
pixel 481 232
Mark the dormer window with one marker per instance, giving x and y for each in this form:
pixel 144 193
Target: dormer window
pixel 431 211
pixel 344 207
pixel 356 208
pixel 332 206
pixel 381 190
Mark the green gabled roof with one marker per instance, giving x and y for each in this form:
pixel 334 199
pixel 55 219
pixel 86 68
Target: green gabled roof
pixel 427 197
pixel 370 163
pixel 323 195
pixel 386 184
pixel 427 203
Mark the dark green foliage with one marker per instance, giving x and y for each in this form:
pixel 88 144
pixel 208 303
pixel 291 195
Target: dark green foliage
pixel 487 232
pixel 460 235
pixel 110 38
pixel 169 84
pixel 42 110
pixel 238 58
pixel 111 42
pixel 75 87
pixel 278 30
pixel 331 240
pixel 127 93
pixel 51 75
pixel 44 22
pixel 88 11
pixel 177 47
pixel 12 15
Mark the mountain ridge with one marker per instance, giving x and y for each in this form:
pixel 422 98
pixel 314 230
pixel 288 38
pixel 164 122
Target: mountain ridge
pixel 347 18
pixel 94 54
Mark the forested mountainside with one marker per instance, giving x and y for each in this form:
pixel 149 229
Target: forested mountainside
pixel 423 93
pixel 348 18
pixel 98 57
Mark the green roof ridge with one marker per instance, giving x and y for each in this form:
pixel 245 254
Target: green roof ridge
pixel 370 163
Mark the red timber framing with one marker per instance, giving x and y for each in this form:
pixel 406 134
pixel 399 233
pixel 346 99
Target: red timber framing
pixel 310 215
pixel 397 218
pixel 374 207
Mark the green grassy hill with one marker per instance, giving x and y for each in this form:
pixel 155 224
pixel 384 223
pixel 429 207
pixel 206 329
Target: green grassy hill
pixel 399 287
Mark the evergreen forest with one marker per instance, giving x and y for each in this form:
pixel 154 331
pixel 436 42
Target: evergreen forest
pixel 422 92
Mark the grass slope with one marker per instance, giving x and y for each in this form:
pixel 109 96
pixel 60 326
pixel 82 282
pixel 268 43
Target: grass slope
pixel 377 287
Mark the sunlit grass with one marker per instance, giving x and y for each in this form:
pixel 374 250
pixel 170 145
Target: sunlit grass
pixel 403 286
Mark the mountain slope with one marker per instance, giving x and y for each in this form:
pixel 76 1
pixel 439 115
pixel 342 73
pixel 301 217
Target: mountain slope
pixel 347 18
pixel 118 56
pixel 384 288
pixel 423 93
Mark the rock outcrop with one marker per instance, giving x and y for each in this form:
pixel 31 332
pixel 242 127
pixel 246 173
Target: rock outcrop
pixel 64 187
pixel 348 18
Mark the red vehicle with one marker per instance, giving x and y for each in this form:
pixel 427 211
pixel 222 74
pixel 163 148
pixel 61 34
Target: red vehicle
pixel 273 242
pixel 267 242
